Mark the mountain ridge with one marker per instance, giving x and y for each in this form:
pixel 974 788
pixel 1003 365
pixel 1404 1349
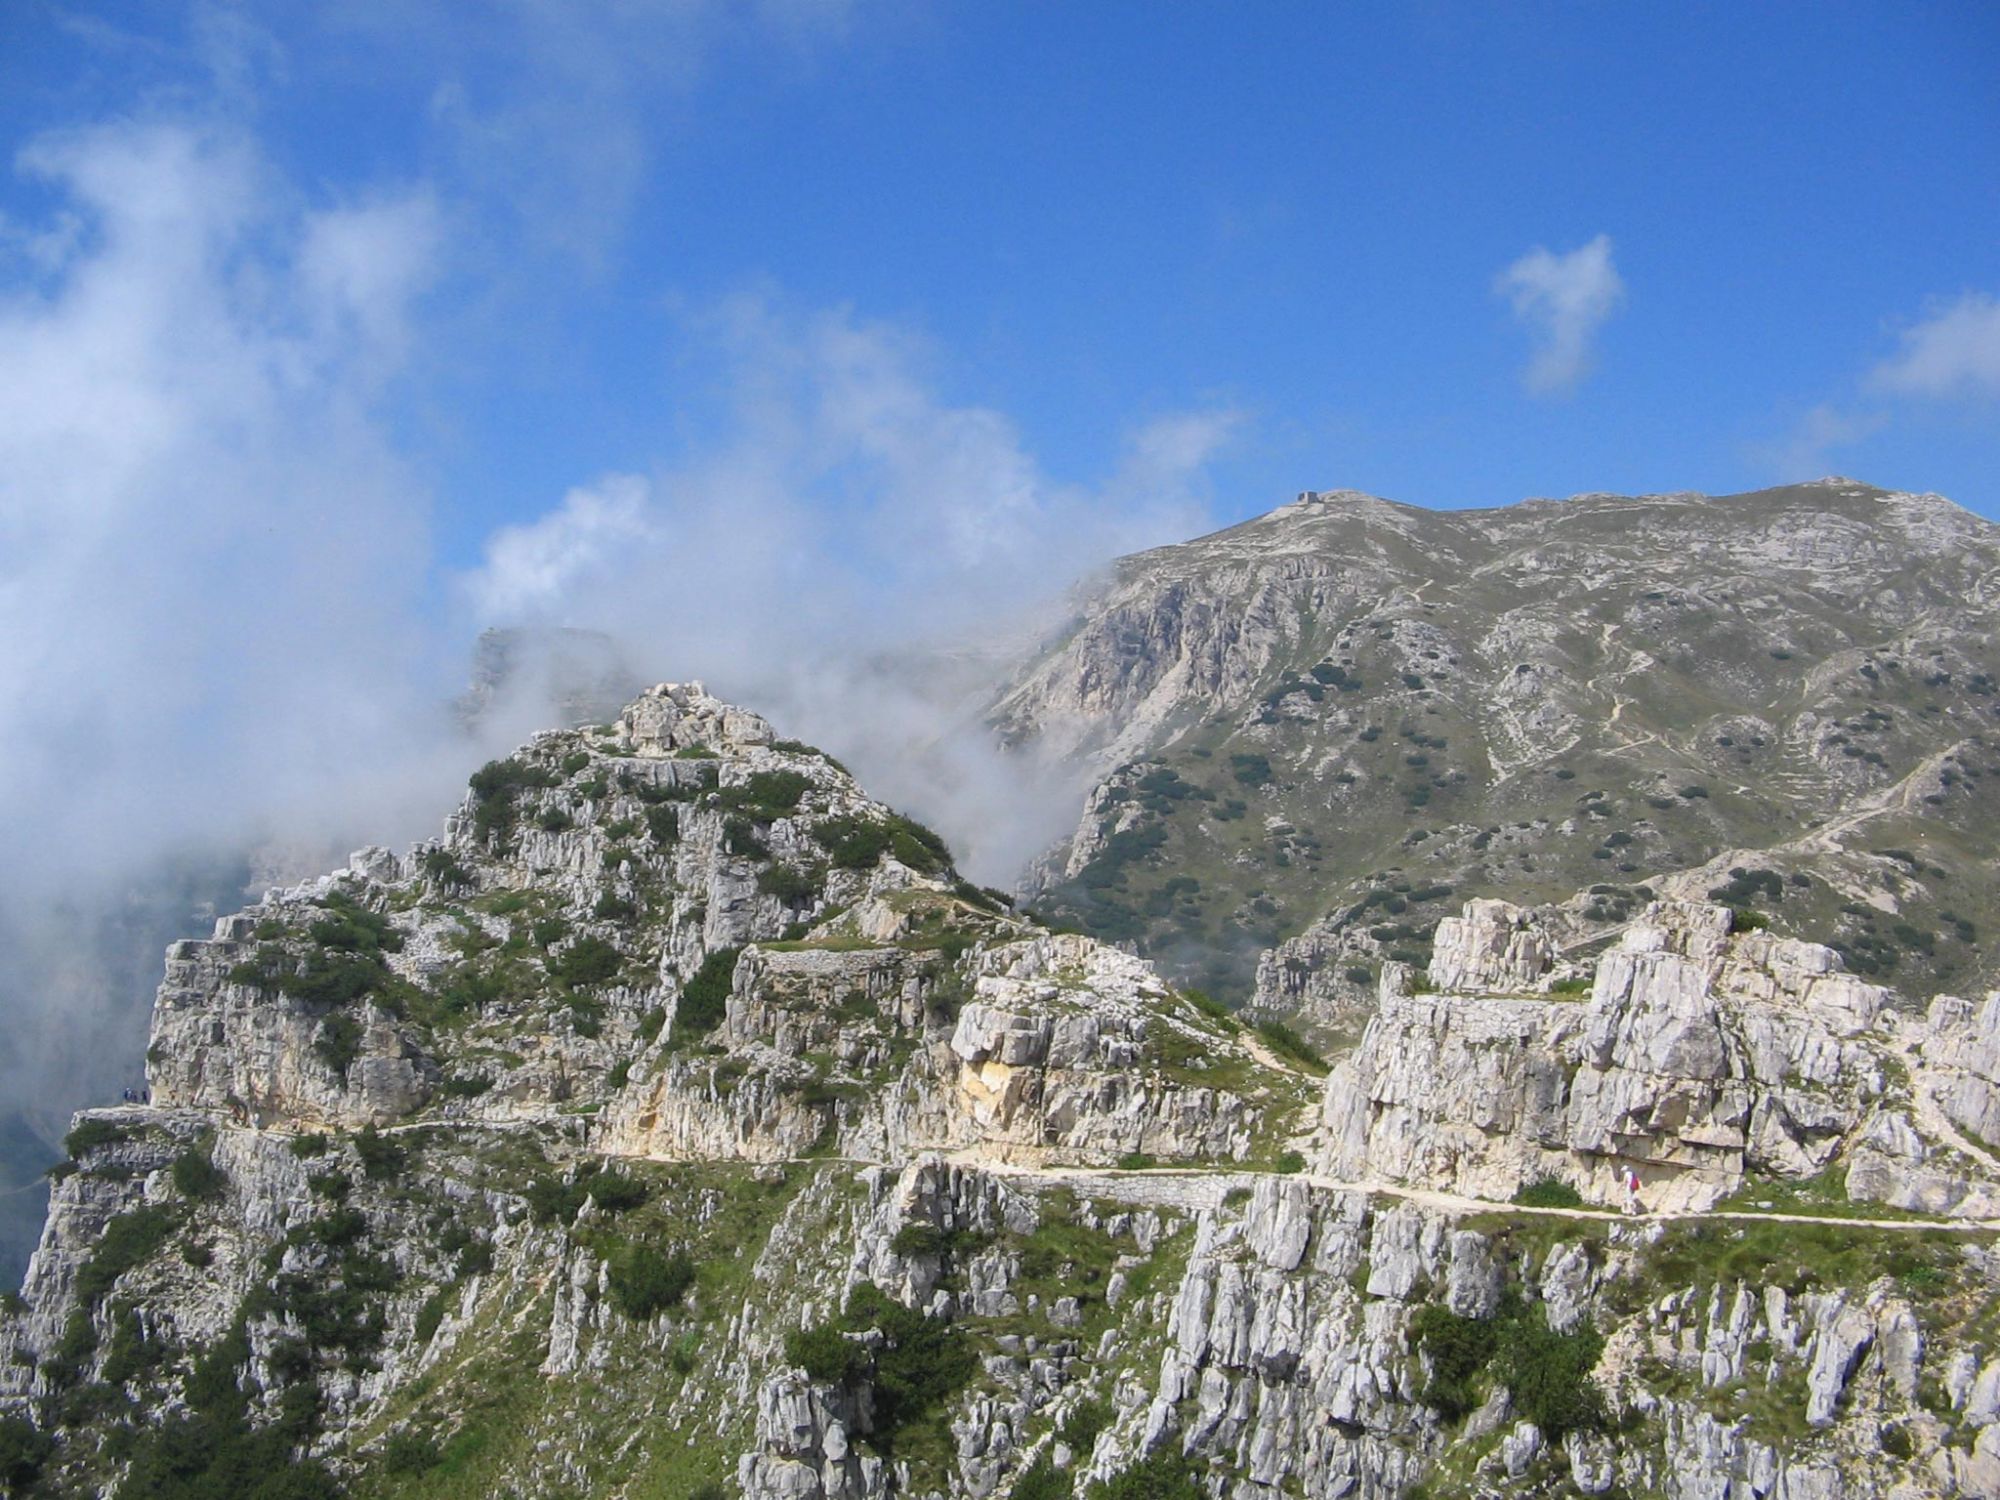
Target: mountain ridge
pixel 1739 646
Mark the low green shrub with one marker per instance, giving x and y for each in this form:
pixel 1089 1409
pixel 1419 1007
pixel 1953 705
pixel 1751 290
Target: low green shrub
pixel 382 1156
pixel 1288 1044
pixel 587 961
pixel 1163 1474
pixel 23 1453
pixel 645 1281
pixel 337 1043
pixel 197 1177
pixel 1548 1192
pixel 1085 1421
pixel 917 1363
pixel 788 883
pixel 704 998
pixel 128 1240
pixel 1042 1480
pixel 88 1134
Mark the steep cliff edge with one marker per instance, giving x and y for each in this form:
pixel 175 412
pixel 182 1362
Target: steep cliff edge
pixel 678 1124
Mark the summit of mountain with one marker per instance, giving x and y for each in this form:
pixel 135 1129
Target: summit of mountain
pixel 1299 722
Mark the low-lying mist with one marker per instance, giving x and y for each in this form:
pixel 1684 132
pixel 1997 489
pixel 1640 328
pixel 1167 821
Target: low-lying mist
pixel 232 656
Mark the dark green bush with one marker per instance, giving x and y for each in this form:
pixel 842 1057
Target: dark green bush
pixel 826 1354
pixel 88 1134
pixel 705 998
pixel 128 1240
pixel 382 1156
pixel 338 1042
pixel 739 837
pixel 768 794
pixel 1162 1474
pixel 1458 1349
pixel 788 883
pixel 664 824
pixel 410 1451
pixel 1042 1480
pixel 852 843
pixel 920 1239
pixel 918 1364
pixel 23 1452
pixel 858 843
pixel 612 907
pixel 493 787
pixel 645 1281
pixel 309 1145
pixel 212 1452
pixel 1549 1374
pixel 350 927
pixel 196 1176
pixel 1548 1192
pixel 446 871
pixel 1251 770
pixel 1085 1421
pixel 587 961
pixel 614 1191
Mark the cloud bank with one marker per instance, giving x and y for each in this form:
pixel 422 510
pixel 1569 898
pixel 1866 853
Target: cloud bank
pixel 213 564
pixel 231 656
pixel 1954 352
pixel 1563 300
pixel 851 553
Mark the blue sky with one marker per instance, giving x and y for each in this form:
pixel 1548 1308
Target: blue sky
pixel 1089 218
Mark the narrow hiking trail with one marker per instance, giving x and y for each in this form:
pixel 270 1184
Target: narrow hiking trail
pixel 1457 1203
pixel 1223 1178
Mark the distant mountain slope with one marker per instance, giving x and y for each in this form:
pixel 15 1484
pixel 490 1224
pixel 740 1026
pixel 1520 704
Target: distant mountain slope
pixel 1319 724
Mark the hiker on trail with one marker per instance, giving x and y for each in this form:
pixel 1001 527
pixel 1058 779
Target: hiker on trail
pixel 1632 1203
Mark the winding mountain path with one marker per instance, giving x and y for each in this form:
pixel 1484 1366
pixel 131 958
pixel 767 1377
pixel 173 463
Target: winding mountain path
pixel 1456 1203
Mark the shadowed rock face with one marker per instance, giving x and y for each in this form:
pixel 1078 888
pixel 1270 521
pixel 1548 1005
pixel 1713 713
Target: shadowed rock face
pixel 1318 732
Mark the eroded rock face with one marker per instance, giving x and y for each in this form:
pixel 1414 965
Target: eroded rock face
pixel 1698 1057
pixel 683 716
pixel 1493 946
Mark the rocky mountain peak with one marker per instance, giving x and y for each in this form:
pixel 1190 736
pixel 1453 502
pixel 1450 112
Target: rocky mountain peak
pixel 679 1121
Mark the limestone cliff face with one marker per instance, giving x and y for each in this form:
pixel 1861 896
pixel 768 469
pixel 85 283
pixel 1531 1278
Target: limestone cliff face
pixel 680 1118
pixel 1698 1057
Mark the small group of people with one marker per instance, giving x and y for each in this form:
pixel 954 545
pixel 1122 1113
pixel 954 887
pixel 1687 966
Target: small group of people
pixel 1630 1178
pixel 138 1096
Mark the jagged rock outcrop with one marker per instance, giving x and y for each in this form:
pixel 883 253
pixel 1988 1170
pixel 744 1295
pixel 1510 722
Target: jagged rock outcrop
pixel 1494 946
pixel 1699 1056
pixel 680 1117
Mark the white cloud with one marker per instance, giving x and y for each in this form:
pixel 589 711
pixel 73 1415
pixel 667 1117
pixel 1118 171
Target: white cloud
pixel 843 553
pixel 1953 352
pixel 213 559
pixel 534 570
pixel 1563 300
